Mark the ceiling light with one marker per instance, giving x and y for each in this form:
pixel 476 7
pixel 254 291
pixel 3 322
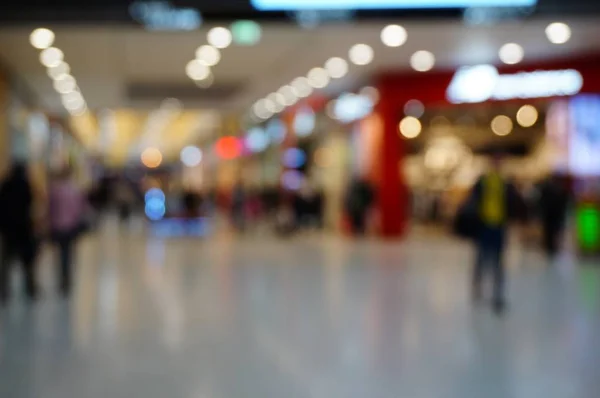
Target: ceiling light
pixel 73 103
pixel 191 156
pixel 51 57
pixel 219 37
pixel 393 35
pixel 56 72
pixel 318 78
pixel 558 32
pixel 278 102
pixel 269 105
pixel 527 116
pixel 289 95
pixel 511 53
pixel 301 87
pixel 502 125
pixel 196 70
pixel 208 55
pixel 361 54
pixel 261 110
pixel 336 67
pixel 205 83
pixel 79 112
pixel 422 61
pixel 73 96
pixel 410 127
pixel 65 84
pixel 41 38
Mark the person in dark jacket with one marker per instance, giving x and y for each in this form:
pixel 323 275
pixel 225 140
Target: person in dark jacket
pixel 554 199
pixel 358 202
pixel 17 230
pixel 496 202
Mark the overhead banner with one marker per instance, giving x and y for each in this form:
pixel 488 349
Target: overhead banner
pixel 295 5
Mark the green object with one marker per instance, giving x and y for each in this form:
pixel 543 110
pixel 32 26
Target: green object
pixel 588 227
pixel 246 33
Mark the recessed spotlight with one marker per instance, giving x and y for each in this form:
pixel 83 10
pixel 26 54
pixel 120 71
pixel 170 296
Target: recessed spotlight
pixel 511 53
pixel 422 61
pixel 219 37
pixel 65 84
pixel 558 32
pixel 196 70
pixel 288 94
pixel 410 127
pixel 278 100
pixel 502 125
pixel 208 55
pixel 361 54
pixel 51 57
pixel 301 87
pixel 336 67
pixel 527 116
pixel 41 38
pixel 393 35
pixel 59 70
pixel 318 78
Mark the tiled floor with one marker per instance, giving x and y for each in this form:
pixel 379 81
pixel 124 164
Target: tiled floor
pixel 307 318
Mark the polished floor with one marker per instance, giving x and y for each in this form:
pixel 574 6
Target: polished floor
pixel 313 317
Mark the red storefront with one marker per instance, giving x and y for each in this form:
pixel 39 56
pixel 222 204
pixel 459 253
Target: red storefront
pixel 396 89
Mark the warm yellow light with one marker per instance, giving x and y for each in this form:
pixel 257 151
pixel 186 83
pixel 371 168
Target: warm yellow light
pixel 502 125
pixel 151 158
pixel 410 127
pixel 527 116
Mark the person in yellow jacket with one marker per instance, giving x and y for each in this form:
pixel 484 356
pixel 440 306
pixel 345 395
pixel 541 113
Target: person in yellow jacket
pixel 496 202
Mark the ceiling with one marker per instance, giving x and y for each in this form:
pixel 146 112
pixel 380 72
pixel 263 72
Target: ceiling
pixel 108 62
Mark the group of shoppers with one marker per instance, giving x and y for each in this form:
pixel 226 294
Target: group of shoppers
pixel 23 228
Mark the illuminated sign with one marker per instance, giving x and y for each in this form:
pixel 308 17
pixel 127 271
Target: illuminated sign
pixel 160 15
pixel 472 84
pixel 293 5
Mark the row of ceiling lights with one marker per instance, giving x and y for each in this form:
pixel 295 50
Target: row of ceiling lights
pixel 219 38
pixel 363 54
pixel 59 71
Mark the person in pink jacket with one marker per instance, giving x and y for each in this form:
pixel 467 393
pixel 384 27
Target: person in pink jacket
pixel 66 218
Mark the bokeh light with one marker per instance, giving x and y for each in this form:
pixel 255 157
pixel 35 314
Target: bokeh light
pixel 228 148
pixel 410 127
pixel 151 158
pixel 58 71
pixel 370 92
pixel 294 158
pixel 304 122
pixel 558 33
pixel 276 130
pixel 292 180
pixel 393 35
pixel 361 54
pixel 246 33
pixel 414 108
pixel 219 37
pixel 502 125
pixel 208 55
pixel 51 57
pixel 191 156
pixel 511 53
pixel 318 77
pixel 65 84
pixel 336 67
pixel 196 70
pixel 527 116
pixel 289 95
pixel 301 87
pixel 257 140
pixel 422 61
pixel 41 38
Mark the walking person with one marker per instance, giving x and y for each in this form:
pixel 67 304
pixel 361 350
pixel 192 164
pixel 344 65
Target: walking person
pixel 17 231
pixel 66 215
pixel 496 202
pixel 359 200
pixel 554 200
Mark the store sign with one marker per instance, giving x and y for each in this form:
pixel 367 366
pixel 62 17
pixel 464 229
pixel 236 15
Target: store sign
pixel 160 15
pixel 480 83
pixel 294 5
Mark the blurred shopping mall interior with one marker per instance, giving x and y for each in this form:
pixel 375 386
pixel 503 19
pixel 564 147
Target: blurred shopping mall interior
pixel 272 190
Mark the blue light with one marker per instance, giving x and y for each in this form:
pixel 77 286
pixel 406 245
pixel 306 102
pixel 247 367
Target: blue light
pixel 257 140
pixel 292 180
pixel 276 130
pixel 155 193
pixel 155 209
pixel 294 158
pixel 293 5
